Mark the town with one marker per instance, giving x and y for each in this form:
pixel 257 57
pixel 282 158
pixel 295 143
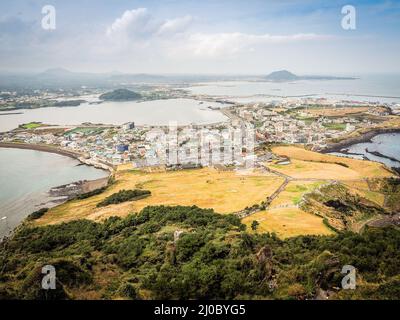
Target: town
pixel 308 121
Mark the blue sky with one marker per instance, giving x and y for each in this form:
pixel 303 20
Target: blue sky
pixel 214 36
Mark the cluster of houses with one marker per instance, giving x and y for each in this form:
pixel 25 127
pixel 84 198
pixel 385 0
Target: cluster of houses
pixel 292 124
pixel 230 143
pixel 187 146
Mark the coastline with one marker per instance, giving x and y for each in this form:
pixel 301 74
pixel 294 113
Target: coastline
pixel 364 137
pixel 43 148
pixel 57 150
pixel 58 195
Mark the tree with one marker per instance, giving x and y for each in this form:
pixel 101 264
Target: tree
pixel 254 225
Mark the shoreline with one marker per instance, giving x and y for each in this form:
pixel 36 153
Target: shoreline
pixel 56 150
pixel 58 195
pixel 364 137
pixel 43 148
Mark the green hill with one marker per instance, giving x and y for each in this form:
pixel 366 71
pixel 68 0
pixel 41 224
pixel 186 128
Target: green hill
pixel 137 257
pixel 120 95
pixel 282 75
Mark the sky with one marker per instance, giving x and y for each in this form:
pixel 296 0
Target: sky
pixel 207 37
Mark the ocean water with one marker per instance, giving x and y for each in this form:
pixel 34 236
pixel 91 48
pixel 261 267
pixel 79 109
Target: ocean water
pixel 372 88
pixel 156 112
pixel 387 144
pixel 25 178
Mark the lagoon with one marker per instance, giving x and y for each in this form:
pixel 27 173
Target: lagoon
pixel 156 112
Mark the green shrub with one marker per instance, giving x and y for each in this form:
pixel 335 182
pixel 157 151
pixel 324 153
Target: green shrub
pixel 90 193
pixel 123 196
pixel 37 214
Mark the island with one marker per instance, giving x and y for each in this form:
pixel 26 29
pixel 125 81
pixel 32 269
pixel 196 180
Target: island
pixel 121 95
pixel 284 75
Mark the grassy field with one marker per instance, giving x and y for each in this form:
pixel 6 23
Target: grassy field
pixel 335 126
pixel 231 191
pixel 284 217
pixel 361 188
pixel 335 112
pixel 300 169
pixel 293 193
pixel 32 125
pixel 224 191
pixel 288 222
pixel 312 165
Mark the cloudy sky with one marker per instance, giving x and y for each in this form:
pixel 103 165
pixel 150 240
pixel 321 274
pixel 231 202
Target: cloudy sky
pixel 208 36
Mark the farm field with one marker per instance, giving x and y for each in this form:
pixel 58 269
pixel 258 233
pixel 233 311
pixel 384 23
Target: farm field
pixel 223 191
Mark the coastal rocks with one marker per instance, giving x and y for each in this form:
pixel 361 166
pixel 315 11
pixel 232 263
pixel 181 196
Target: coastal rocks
pixel 67 190
pixel 365 137
pixel 71 190
pixel 378 154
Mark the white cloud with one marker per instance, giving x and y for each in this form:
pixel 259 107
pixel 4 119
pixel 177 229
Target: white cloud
pixel 222 44
pixel 175 25
pixel 138 30
pixel 137 22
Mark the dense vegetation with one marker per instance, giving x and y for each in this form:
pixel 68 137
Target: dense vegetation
pixel 68 103
pixel 339 207
pixel 391 189
pixel 120 95
pixel 92 193
pixel 137 257
pixel 123 196
pixel 37 214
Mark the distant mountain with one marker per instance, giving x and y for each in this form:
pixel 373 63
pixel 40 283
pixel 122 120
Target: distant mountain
pixel 56 72
pixel 284 75
pixel 120 95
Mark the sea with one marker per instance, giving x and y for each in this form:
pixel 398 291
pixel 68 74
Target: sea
pixel 26 176
pixel 387 144
pixel 366 88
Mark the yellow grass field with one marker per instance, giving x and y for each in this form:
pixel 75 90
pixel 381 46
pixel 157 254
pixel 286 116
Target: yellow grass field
pixel 293 193
pixel 361 188
pixel 312 165
pixel 230 191
pixel 224 191
pixel 300 169
pixel 334 112
pixel 284 217
pixel 288 222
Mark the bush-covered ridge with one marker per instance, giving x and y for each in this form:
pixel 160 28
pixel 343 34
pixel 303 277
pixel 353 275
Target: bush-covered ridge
pixel 340 208
pixel 123 196
pixel 137 257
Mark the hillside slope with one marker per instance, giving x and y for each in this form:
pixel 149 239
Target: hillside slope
pixel 137 257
